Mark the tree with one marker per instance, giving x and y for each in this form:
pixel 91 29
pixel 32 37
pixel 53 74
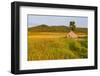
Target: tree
pixel 72 25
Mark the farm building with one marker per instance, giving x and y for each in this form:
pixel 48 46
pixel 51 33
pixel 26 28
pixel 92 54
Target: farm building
pixel 71 34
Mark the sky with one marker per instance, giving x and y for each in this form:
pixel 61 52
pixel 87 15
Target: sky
pixel 33 20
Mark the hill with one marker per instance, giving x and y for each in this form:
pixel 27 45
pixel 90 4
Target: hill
pixel 60 28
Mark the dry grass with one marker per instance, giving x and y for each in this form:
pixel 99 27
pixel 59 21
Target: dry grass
pixel 51 45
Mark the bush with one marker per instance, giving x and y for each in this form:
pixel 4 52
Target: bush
pixel 74 46
pixel 79 48
pixel 84 43
pixel 83 52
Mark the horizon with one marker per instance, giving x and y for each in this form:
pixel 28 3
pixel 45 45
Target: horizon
pixel 50 20
pixel 53 25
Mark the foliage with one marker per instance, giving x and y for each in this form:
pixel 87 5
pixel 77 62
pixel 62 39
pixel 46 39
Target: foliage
pixel 80 47
pixel 72 25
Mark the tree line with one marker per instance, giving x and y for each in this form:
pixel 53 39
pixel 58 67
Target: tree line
pixel 60 28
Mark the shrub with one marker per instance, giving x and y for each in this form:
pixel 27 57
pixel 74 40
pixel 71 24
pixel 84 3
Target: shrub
pixel 79 48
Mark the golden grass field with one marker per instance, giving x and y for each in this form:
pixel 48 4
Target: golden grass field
pixel 54 45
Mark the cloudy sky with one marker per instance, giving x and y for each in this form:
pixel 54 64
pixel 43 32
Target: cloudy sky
pixel 51 20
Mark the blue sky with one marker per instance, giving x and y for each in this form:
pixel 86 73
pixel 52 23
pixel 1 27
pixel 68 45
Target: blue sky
pixel 50 20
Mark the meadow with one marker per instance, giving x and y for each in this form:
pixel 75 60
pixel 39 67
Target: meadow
pixel 55 45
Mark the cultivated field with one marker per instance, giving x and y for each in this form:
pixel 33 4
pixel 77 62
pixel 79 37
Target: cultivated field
pixel 55 45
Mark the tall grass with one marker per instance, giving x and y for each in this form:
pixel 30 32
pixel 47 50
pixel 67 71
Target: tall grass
pixel 79 47
pixel 56 48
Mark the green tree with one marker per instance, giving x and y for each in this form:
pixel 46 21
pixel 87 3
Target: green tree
pixel 72 25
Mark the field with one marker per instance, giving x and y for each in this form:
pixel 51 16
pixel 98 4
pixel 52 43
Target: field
pixel 55 45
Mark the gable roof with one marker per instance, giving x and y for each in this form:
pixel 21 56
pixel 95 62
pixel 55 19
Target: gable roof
pixel 71 34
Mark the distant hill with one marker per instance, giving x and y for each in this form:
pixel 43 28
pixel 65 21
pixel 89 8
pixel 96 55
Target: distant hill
pixel 60 28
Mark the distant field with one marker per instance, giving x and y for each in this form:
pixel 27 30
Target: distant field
pixel 55 45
